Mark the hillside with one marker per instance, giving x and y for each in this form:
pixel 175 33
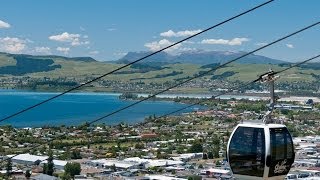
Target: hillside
pixel 22 64
pixel 83 68
pixel 200 57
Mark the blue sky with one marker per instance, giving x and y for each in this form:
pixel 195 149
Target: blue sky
pixel 106 30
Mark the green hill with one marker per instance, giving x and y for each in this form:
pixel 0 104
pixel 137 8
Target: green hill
pixel 81 68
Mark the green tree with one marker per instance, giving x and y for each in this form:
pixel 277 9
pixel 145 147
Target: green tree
pixel 159 154
pixel 45 168
pixel 50 165
pixel 9 167
pixel 216 140
pixel 139 146
pixel 204 156
pixel 210 155
pixel 75 155
pixel 196 147
pixel 72 169
pixel 66 177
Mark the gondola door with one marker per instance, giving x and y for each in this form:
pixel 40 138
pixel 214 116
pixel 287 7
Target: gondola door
pixel 281 155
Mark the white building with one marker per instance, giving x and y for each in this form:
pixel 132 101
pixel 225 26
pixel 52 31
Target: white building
pixel 27 159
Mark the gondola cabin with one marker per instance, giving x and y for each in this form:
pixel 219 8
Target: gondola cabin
pixel 260 151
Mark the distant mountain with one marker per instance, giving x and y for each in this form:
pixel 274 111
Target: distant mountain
pixel 160 57
pixel 200 57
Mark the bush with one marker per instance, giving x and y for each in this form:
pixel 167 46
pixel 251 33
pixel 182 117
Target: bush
pixel 72 169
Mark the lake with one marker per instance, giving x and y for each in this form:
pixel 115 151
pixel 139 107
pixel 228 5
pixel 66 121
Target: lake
pixel 77 108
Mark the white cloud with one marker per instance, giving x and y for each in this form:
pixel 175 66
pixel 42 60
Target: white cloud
pixel 65 37
pixel 120 54
pixel 157 45
pixel 261 44
pixel 290 46
pixel 73 39
pixel 94 52
pixel 12 45
pixel 187 49
pixel 42 50
pixel 188 42
pixel 4 24
pixel 232 42
pixel 65 50
pixel 185 33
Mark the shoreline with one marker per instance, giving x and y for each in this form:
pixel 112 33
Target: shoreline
pixel 237 96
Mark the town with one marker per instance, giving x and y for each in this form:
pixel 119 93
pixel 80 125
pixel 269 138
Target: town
pixel 187 146
pixel 205 85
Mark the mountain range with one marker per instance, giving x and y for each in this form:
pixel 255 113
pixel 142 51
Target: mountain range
pixel 162 67
pixel 200 57
pixel 22 64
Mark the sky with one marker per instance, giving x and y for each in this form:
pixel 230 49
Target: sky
pixel 107 30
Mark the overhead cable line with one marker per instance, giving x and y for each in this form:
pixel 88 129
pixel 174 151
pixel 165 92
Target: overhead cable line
pixel 200 75
pixel 133 62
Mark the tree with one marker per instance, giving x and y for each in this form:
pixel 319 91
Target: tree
pixel 119 145
pixel 216 151
pixel 210 155
pixel 216 140
pixel 75 155
pixel 66 176
pixel 139 146
pixel 28 174
pixel 196 148
pixel 72 169
pixel 45 168
pixel 204 156
pixel 9 167
pixel 50 165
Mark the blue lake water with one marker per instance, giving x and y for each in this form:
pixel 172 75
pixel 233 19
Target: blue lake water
pixel 77 108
